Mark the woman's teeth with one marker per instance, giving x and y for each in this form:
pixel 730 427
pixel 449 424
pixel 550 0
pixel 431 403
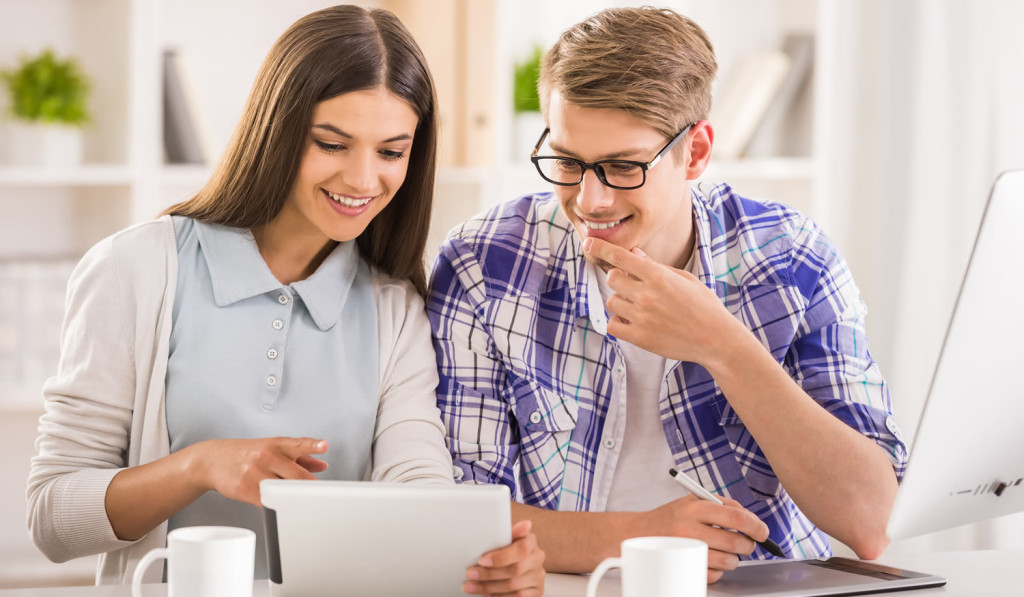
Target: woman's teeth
pixel 348 201
pixel 601 225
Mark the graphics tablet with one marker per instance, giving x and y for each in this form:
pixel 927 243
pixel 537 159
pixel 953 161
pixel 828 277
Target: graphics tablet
pixel 348 538
pixel 818 577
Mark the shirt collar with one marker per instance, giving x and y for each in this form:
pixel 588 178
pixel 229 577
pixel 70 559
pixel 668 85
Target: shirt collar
pixel 238 272
pixel 705 229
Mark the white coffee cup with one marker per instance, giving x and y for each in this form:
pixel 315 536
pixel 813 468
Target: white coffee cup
pixel 204 561
pixel 658 567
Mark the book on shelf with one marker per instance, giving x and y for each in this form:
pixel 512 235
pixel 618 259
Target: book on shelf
pixel 785 129
pixel 186 136
pixel 745 97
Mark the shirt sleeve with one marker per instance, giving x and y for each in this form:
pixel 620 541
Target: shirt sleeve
pixel 829 356
pixel 472 379
pixel 83 434
pixel 409 440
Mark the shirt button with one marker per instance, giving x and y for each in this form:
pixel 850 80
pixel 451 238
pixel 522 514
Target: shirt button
pixel 272 353
pixel 283 299
pixel 271 381
pixel 277 324
pixel 609 443
pixel 536 417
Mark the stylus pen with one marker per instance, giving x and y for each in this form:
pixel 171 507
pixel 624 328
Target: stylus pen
pixel 701 493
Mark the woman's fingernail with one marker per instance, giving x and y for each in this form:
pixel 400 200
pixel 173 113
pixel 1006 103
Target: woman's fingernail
pixel 473 574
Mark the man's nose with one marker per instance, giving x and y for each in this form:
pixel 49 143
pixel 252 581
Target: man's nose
pixel 594 196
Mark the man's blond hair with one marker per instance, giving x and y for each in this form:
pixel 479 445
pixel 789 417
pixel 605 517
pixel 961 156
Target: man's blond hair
pixel 653 63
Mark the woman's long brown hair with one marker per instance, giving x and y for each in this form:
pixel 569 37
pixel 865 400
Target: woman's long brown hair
pixel 323 55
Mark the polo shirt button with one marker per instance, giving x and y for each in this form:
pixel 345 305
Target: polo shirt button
pixel 536 417
pixel 271 381
pixel 283 299
pixel 272 353
pixel 277 324
pixel 609 443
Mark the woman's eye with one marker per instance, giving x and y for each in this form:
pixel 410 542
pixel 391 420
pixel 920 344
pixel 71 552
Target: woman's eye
pixel 391 155
pixel 328 147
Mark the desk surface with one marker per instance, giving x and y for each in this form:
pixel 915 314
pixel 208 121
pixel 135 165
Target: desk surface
pixel 970 574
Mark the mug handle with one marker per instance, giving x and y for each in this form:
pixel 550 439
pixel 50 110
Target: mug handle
pixel 603 567
pixel 149 558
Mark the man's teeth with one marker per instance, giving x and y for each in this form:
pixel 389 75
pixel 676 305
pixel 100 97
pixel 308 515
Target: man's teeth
pixel 348 201
pixel 601 225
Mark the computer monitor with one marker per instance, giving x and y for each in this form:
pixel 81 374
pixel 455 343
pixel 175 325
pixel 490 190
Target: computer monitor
pixel 967 460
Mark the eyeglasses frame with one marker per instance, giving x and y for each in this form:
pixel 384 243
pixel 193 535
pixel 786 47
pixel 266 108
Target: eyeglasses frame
pixel 595 166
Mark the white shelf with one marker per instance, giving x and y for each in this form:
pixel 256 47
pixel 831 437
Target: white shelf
pixel 81 176
pixel 185 174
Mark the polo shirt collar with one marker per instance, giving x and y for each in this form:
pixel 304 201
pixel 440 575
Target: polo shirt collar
pixel 238 272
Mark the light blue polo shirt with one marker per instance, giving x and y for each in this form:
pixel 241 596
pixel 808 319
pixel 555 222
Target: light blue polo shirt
pixel 251 357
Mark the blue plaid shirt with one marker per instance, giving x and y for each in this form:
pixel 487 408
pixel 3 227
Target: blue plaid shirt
pixel 527 370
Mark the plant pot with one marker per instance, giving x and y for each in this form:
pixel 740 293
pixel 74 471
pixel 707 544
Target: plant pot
pixel 50 145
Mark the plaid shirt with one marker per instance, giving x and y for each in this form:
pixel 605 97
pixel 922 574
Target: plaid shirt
pixel 528 372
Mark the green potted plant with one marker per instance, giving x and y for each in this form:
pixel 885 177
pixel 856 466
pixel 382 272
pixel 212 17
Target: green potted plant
pixel 48 105
pixel 528 123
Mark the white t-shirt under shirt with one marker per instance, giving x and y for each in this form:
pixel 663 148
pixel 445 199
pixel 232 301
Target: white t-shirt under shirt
pixel 641 481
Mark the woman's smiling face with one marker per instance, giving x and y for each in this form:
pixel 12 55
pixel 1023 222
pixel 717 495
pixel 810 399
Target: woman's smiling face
pixel 355 160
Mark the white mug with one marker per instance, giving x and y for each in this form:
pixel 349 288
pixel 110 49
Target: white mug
pixel 204 561
pixel 658 567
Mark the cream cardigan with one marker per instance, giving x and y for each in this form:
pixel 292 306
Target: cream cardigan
pixel 105 406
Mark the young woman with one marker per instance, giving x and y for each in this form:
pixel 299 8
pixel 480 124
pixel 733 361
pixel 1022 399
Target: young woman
pixel 272 326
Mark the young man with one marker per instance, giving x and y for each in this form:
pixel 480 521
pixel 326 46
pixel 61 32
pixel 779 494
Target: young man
pixel 590 339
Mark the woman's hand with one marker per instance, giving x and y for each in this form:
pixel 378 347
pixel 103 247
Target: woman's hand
pixel 232 467
pixel 235 467
pixel 514 570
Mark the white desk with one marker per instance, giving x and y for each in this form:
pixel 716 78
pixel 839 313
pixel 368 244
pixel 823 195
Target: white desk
pixel 970 574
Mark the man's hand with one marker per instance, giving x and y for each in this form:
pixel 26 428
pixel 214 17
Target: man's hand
pixel 516 570
pixel 664 310
pixel 713 524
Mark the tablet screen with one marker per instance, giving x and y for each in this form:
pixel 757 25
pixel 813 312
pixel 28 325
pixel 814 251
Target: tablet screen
pixel 813 578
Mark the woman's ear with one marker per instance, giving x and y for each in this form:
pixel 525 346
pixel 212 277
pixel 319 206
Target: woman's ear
pixel 698 154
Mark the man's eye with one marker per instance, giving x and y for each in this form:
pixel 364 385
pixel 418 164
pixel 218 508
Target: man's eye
pixel 566 165
pixel 622 167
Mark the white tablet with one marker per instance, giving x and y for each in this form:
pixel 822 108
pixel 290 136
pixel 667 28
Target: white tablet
pixel 348 538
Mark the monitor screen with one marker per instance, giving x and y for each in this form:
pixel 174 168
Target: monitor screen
pixel 967 460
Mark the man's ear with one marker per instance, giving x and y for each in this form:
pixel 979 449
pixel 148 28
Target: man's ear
pixel 701 138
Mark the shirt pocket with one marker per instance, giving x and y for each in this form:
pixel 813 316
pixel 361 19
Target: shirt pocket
pixel 753 465
pixel 541 410
pixel 545 421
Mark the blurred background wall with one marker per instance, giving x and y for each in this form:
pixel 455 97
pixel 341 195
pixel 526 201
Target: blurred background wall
pixel 886 122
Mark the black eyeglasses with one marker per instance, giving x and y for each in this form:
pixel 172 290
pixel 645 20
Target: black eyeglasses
pixel 624 175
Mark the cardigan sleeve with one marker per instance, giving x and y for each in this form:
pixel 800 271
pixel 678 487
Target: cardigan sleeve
pixel 84 431
pixel 409 439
